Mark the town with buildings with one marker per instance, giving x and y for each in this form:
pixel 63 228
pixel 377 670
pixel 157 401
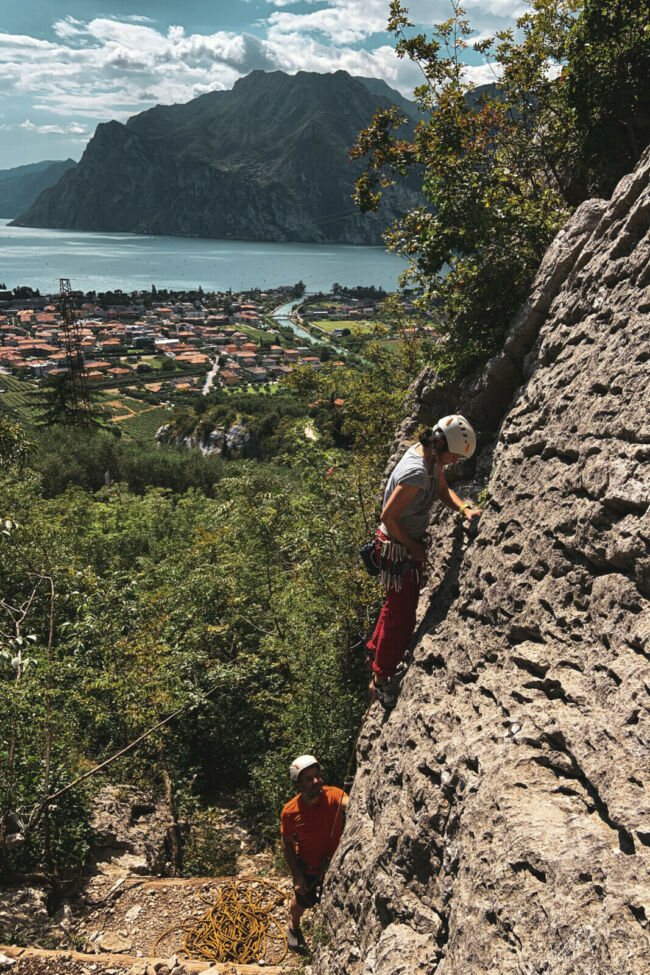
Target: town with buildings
pixel 166 344
pixel 147 352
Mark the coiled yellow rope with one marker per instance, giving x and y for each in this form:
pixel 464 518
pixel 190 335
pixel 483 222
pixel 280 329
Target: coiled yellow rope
pixel 239 927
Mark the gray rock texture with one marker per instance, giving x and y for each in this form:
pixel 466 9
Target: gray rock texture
pixel 234 441
pixel 130 830
pixel 500 816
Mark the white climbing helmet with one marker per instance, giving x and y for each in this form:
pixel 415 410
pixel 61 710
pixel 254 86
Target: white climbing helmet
pixel 299 764
pixel 459 434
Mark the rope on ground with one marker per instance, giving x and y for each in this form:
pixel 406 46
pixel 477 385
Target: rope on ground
pixel 239 927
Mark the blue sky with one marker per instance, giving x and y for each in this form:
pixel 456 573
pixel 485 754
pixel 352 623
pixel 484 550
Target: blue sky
pixel 66 65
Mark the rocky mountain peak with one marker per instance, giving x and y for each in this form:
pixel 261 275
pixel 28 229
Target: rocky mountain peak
pixel 500 818
pixel 268 160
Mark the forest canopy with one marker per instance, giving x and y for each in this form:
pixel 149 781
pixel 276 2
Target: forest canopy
pixel 568 115
pixel 136 582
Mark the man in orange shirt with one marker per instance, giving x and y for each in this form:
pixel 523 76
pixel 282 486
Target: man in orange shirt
pixel 312 823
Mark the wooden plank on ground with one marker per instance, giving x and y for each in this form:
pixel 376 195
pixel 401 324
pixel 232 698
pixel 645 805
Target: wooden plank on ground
pixel 112 960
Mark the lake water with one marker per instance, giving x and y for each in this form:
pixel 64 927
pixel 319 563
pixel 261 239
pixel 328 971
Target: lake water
pixel 102 262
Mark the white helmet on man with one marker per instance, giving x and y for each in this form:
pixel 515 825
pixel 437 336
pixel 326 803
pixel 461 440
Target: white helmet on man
pixel 458 433
pixel 300 764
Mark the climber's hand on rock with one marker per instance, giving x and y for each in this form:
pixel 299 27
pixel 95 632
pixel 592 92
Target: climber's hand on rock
pixel 472 513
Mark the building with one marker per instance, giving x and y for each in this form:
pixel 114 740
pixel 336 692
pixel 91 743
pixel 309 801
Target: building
pixel 257 374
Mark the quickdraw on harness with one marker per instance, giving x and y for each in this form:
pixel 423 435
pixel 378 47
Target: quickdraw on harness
pixel 394 563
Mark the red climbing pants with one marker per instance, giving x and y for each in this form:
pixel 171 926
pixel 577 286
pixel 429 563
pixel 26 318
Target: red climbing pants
pixel 395 625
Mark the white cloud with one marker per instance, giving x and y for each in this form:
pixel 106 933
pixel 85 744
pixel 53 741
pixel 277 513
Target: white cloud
pixel 498 8
pixel 342 21
pixel 68 27
pixel 482 74
pixel 21 41
pixel 73 128
pixel 110 68
pixel 428 12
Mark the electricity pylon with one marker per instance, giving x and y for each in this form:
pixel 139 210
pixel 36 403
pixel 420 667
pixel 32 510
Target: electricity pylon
pixel 80 407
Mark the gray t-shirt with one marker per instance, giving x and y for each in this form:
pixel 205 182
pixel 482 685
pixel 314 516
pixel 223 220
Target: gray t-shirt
pixel 412 471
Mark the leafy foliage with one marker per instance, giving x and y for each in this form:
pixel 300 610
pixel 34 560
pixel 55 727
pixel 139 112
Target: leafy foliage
pixel 606 78
pixel 211 850
pixel 118 608
pixel 266 419
pixel 15 448
pixel 231 589
pixel 502 171
pixel 89 457
pixel 56 401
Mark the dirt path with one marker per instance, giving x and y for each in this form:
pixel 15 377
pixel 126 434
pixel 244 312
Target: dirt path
pixel 115 926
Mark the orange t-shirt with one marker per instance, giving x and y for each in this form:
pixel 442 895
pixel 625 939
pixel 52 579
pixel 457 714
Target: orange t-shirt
pixel 310 827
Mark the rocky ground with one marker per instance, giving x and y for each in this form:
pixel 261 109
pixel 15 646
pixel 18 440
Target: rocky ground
pixel 123 908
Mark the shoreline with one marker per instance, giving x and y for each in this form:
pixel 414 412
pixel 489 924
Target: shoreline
pixel 96 261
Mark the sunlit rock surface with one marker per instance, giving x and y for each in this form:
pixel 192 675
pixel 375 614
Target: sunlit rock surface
pixel 500 817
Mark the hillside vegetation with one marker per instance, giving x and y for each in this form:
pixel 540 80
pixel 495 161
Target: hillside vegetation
pixel 232 588
pixel 185 577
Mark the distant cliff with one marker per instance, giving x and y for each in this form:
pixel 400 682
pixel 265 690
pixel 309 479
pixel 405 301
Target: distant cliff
pixel 265 161
pixel 233 441
pixel 499 821
pixel 20 186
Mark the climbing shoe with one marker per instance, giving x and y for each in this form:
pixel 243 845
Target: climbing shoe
pixel 385 694
pixel 295 939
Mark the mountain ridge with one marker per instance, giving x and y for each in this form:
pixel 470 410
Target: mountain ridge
pixel 266 160
pixel 20 186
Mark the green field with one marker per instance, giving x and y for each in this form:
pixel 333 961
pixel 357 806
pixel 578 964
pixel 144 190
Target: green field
pixel 17 398
pixel 352 324
pixel 151 360
pixel 255 333
pixel 257 389
pixel 11 383
pixel 141 422
pixel 143 426
pixel 119 405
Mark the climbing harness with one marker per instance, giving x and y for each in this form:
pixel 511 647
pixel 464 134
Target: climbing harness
pixel 394 563
pixel 239 926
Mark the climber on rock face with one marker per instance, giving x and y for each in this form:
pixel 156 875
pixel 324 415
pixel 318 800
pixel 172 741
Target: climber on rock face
pixel 415 482
pixel 312 823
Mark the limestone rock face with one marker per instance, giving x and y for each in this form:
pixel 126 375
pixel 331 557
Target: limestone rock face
pixel 500 817
pixel 234 441
pixel 130 829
